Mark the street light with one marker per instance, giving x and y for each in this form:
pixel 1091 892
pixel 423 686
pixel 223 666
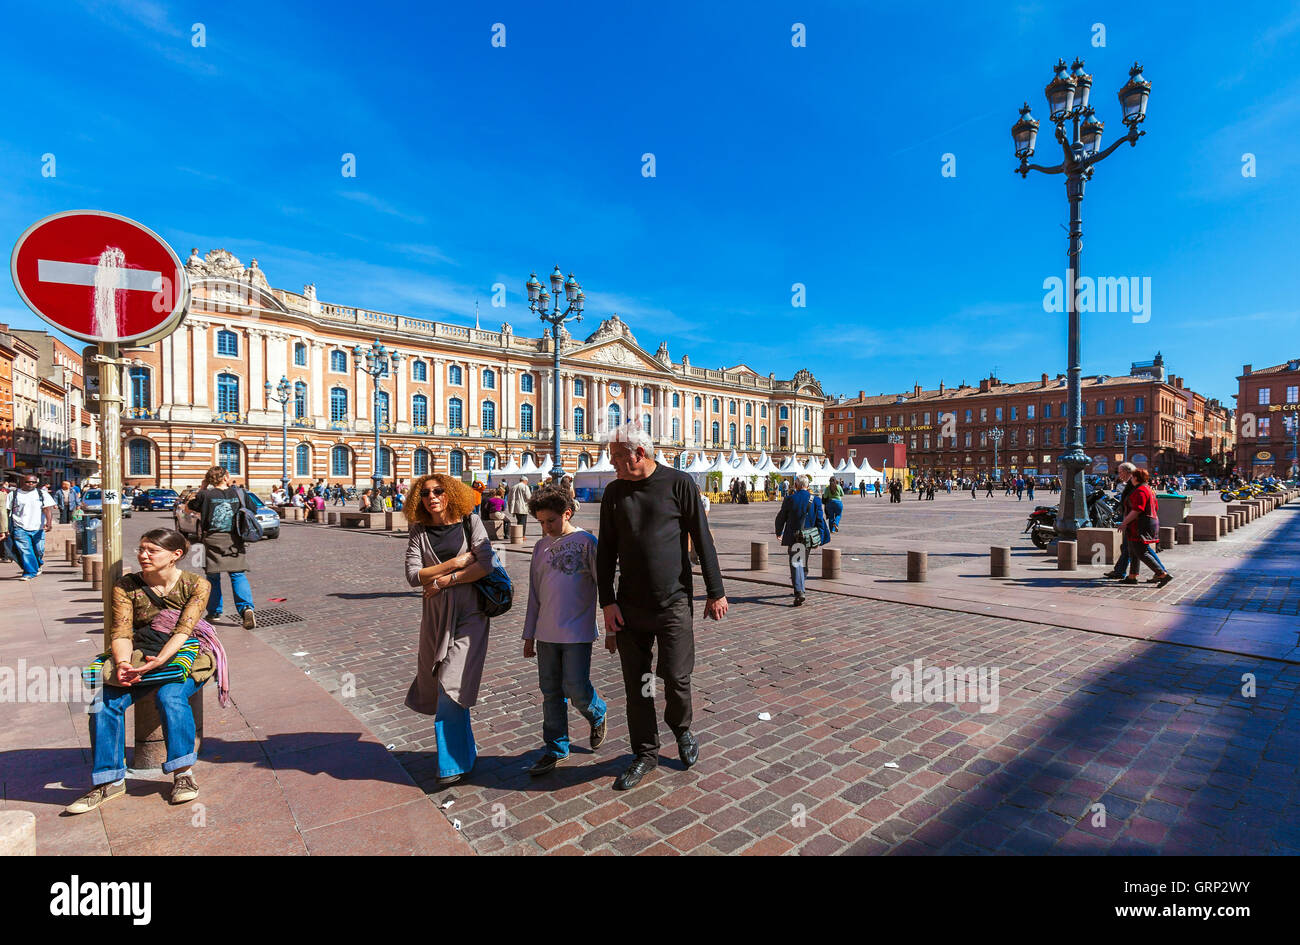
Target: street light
pixel 1067 98
pixel 1125 429
pixel 996 436
pixel 377 361
pixel 538 302
pixel 282 393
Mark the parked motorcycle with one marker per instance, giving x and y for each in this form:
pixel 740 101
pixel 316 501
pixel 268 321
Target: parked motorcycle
pixel 1103 511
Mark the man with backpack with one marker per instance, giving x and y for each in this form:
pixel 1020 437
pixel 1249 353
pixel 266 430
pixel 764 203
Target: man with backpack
pixel 30 515
pixel 227 522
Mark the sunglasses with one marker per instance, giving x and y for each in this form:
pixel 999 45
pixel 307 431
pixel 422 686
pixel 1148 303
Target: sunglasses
pixel 425 493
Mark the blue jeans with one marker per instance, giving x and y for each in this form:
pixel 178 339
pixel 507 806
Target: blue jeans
pixel 1135 552
pixel 564 675
pixel 108 728
pixel 29 549
pixel 797 570
pixel 456 749
pixel 834 509
pixel 239 586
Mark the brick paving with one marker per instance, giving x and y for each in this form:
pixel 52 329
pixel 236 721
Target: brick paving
pixel 1161 735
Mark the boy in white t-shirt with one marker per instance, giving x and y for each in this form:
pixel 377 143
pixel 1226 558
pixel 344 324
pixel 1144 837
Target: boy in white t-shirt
pixel 31 515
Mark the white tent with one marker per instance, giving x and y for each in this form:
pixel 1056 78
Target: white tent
pixel 528 468
pixel 596 477
pixel 750 474
pixel 733 459
pixel 509 474
pixel 867 474
pixel 818 471
pixel 764 462
pixel 791 466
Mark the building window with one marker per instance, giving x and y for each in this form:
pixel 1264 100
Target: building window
pixel 984 414
pixel 784 437
pixel 968 439
pixel 677 399
pixel 300 354
pixel 340 464
pixel 455 414
pixel 420 463
pixel 807 439
pixel 717 432
pixel 579 421
pixel 1014 414
pixel 584 460
pixel 579 387
pixel 645 422
pixel 762 437
pixel 1139 404
pixel 227 344
pixel 647 396
pixel 807 415
pixel 762 411
pixel 489 460
pixel 1047 411
pixel 1029 412
pixel 526 418
pixel 698 403
pixel 997 413
pixel 1101 433
pixel 984 439
pixel 140 388
pixel 338 404
pixel 699 432
pixel 382 416
pixel 731 407
pixel 731 433
pixel 338 362
pixel 1139 432
pixel 1101 408
pixel 489 379
pixel 784 413
pixel 528 457
pixel 876 422
pixel 385 462
pixel 302 460
pixel 1293 394
pixel 1263 427
pixel 489 416
pixel 749 436
pixel 1119 405
pixel 716 405
pixel 299 400
pixel 1029 437
pixel 419 370
pixel 615 416
pixel 227 393
pixel 677 430
pixel 420 410
pixel 526 385
pixel 453 375
pixel 1047 436
pixel 228 457
pixel 140 456
pixel 1265 396
pixel 456 463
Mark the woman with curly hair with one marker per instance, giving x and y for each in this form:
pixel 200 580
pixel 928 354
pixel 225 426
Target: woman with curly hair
pixel 447 551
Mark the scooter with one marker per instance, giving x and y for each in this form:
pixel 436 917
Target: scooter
pixel 1103 510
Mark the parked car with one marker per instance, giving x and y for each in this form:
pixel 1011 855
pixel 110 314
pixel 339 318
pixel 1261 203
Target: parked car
pixel 92 503
pixel 187 520
pixel 154 500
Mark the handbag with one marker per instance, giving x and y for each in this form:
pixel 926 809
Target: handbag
pixel 810 536
pixel 494 590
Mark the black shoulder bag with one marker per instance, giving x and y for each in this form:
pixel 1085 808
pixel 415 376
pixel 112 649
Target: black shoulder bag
pixel 495 592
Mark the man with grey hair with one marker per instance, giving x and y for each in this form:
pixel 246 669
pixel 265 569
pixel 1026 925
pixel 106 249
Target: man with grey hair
pixel 647 516
pixel 517 505
pixel 801 510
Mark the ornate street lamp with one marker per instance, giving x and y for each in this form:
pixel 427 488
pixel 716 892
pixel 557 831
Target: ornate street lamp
pixel 1125 429
pixel 283 393
pixel 539 301
pixel 1067 99
pixel 995 435
pixel 377 361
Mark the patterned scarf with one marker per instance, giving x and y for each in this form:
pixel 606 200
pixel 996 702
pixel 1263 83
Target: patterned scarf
pixel 165 622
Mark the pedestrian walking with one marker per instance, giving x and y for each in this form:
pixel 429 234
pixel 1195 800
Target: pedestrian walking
pixel 800 512
pixel 989 493
pixel 646 516
pixel 1141 527
pixel 446 552
pixel 560 625
pixel 517 503
pixel 833 501
pixel 67 499
pixel 159 646
pixel 218 504
pixel 30 515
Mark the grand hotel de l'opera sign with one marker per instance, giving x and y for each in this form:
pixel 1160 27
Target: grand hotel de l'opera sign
pixel 460 400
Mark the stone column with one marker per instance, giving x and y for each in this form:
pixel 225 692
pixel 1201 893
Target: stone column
pixel 436 409
pixel 277 359
pixel 199 360
pixel 256 369
pixel 472 407
pixel 508 421
pixel 180 368
pixel 401 410
pixel 316 358
pixel 363 396
pixel 597 423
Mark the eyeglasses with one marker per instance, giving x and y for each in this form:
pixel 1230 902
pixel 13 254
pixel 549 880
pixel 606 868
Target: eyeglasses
pixel 425 493
pixel 151 552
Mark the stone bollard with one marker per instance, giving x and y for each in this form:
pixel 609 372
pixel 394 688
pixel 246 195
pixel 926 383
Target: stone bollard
pixel 830 563
pixel 86 561
pixel 1183 533
pixel 757 555
pixel 516 534
pixel 1067 556
pixel 150 745
pixel 395 520
pixel 1225 524
pixel 999 561
pixel 333 518
pixel 17 833
pixel 1205 527
pixel 1166 537
pixel 1107 541
pixel 97 574
pixel 918 566
pixel 70 552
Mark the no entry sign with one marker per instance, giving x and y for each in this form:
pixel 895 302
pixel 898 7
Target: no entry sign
pixel 100 277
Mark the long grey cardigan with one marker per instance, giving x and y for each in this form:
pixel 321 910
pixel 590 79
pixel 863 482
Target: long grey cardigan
pixel 453 630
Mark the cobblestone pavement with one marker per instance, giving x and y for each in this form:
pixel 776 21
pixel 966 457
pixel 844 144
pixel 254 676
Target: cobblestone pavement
pixel 1181 754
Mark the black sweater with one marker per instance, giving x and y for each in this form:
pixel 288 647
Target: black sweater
pixel 643 529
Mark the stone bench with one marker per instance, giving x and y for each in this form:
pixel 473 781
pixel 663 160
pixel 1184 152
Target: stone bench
pixel 375 520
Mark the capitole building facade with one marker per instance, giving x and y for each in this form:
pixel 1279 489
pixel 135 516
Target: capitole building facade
pixel 460 400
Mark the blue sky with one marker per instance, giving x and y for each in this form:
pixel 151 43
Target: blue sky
pixel 774 165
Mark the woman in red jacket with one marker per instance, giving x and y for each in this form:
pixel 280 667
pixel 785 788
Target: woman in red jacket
pixel 1142 530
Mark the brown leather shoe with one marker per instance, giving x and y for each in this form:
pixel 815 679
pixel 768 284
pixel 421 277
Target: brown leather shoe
pixel 184 788
pixel 100 794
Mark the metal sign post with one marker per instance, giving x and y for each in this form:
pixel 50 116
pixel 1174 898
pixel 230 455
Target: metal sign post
pixel 110 452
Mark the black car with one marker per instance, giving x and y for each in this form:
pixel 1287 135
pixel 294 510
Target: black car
pixel 154 500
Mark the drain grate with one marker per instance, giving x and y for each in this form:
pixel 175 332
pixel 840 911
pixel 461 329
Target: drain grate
pixel 274 617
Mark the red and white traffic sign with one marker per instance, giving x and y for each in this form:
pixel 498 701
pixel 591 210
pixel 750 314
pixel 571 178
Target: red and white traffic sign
pixel 100 277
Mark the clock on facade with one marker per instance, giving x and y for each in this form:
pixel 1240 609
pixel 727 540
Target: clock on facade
pixel 615 388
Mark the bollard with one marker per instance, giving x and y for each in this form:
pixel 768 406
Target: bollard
pixel 1225 524
pixel 999 561
pixel 516 534
pixel 97 574
pixel 1166 537
pixel 17 833
pixel 830 563
pixel 85 566
pixel 1100 545
pixel 1205 527
pixel 757 555
pixel 150 745
pixel 1183 533
pixel 918 566
pixel 332 518
pixel 1067 556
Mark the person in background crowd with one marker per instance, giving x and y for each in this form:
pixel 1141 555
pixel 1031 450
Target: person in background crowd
pixel 799 511
pixel 31 514
pixel 5 539
pixel 1141 531
pixel 365 501
pixel 833 500
pixel 1029 487
pixel 517 503
pixel 67 499
pixel 560 625
pixel 218 503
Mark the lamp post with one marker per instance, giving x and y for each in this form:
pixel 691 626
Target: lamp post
pixel 539 301
pixel 1125 429
pixel 1067 97
pixel 996 436
pixel 282 393
pixel 377 361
